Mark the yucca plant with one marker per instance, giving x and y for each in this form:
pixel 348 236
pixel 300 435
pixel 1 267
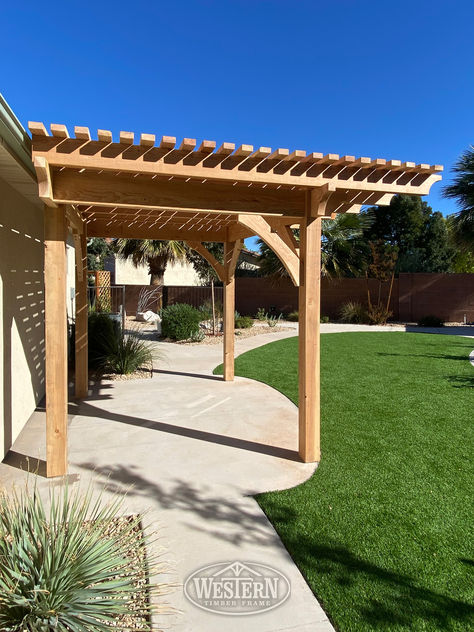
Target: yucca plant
pixel 125 354
pixel 75 567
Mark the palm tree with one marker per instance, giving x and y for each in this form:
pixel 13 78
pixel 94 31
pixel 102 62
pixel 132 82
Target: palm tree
pixel 343 252
pixel 462 190
pixel 154 253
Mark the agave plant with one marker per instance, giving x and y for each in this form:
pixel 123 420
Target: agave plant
pixel 69 568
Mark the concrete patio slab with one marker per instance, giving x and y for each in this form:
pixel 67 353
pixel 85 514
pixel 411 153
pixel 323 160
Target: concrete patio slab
pixel 190 450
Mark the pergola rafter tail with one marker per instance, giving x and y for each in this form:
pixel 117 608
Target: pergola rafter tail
pixel 197 192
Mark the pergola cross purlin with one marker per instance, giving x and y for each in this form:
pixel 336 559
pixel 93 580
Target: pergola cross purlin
pixel 196 193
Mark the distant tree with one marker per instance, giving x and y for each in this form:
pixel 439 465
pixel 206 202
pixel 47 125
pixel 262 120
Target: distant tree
pixel 463 262
pixel 420 235
pixel 343 251
pixel 462 190
pixel 202 267
pixel 97 250
pixel 154 253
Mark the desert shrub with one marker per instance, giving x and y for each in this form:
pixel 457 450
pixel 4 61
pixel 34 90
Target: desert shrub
pixel 198 336
pixel 180 321
pixel 431 321
pixel 324 319
pixel 243 322
pixel 293 316
pixel 125 354
pixel 75 566
pixel 261 314
pixel 378 314
pixel 351 312
pixel 101 330
pixel 272 321
pixel 206 309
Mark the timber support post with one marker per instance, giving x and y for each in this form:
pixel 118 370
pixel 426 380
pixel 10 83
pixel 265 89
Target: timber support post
pixel 231 254
pixel 55 270
pixel 82 309
pixel 309 303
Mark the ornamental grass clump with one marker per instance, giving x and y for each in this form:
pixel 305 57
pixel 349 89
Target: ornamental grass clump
pixel 75 567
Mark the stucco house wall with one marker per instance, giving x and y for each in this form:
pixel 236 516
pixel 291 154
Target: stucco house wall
pixel 125 273
pixel 22 377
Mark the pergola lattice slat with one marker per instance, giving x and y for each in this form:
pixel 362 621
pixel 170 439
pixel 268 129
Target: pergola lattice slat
pixel 199 192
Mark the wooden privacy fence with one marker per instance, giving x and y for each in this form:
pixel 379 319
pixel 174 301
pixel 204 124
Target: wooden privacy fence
pixel 449 296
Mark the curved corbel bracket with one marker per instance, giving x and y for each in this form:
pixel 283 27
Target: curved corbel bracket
pixel 204 252
pixel 287 255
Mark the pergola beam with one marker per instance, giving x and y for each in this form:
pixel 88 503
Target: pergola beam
pixel 209 257
pixel 287 255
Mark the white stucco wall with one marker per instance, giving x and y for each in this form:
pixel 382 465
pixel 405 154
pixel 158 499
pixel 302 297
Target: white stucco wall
pixel 21 311
pixel 176 274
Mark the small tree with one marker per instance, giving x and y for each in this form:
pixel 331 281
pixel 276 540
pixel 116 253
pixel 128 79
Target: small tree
pixel 462 190
pixel 382 267
pixel 206 272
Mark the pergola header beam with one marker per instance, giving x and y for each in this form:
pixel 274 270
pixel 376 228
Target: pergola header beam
pixel 278 168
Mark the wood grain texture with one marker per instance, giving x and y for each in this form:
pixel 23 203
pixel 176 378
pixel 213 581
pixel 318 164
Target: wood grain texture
pixel 55 269
pixel 82 309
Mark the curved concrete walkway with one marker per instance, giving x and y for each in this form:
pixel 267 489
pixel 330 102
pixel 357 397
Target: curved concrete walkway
pixel 194 448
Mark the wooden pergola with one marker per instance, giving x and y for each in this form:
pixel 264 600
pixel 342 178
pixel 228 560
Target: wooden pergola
pixel 101 187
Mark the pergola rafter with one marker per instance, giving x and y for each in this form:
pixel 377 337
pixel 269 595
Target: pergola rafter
pixel 200 192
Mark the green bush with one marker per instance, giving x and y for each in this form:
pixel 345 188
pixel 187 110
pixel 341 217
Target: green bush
pixel 101 331
pixel 180 321
pixel 431 321
pixel 324 319
pixel 75 566
pixel 125 354
pixel 243 322
pixel 293 316
pixel 351 312
pixel 261 314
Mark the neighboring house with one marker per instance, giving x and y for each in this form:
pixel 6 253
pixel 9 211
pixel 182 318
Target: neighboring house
pixel 22 376
pixel 123 272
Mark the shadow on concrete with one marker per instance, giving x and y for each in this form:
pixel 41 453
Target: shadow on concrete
pixel 85 409
pixel 25 463
pixel 220 514
pixel 202 376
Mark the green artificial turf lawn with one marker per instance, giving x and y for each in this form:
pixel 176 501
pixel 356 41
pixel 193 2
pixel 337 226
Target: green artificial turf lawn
pixel 383 530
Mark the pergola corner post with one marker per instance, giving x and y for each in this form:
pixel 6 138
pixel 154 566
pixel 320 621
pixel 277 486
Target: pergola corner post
pixel 82 308
pixel 231 254
pixel 309 302
pixel 55 271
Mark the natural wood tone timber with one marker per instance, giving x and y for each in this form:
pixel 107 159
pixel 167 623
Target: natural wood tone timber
pixel 285 253
pixel 285 233
pixel 126 138
pixel 209 257
pixel 104 135
pixel 243 166
pixel 231 254
pixel 309 304
pixel 37 129
pixel 60 131
pixel 82 133
pixel 147 140
pixel 74 219
pixel 43 175
pixel 82 307
pixel 55 270
pixel 100 188
pixel 103 228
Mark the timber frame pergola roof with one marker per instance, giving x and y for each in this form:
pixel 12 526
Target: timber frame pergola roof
pixel 101 187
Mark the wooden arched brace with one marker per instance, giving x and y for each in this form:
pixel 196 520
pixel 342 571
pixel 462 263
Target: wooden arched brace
pixel 204 252
pixel 287 255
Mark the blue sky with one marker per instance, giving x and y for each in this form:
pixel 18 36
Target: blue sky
pixel 368 78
